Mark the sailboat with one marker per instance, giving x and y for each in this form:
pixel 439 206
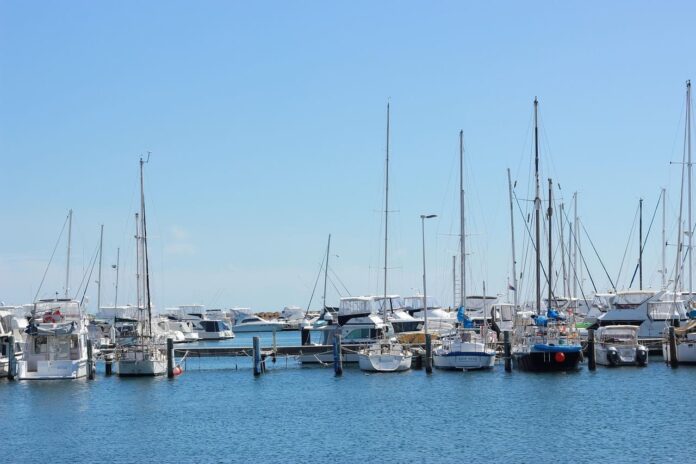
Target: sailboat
pixel 685 335
pixel 544 343
pixel 385 355
pixel 56 337
pixel 466 348
pixel 143 356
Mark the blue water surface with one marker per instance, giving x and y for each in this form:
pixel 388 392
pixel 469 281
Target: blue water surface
pixel 218 412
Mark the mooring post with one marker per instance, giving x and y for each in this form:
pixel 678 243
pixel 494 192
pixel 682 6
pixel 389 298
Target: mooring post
pixel 428 354
pixel 275 348
pixel 11 361
pixel 337 355
pixel 170 358
pixel 591 353
pixel 257 356
pixel 507 351
pixel 673 361
pixel 108 365
pixel 90 360
pixel 305 336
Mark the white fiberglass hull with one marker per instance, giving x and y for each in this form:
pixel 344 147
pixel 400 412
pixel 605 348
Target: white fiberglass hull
pixel 141 364
pixel 384 362
pixel 686 352
pixel 464 360
pixel 624 356
pixel 224 335
pixel 52 370
pixel 263 327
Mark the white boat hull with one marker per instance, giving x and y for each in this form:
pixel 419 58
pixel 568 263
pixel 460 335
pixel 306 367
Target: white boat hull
pixel 625 356
pixel 245 328
pixel 686 352
pixel 52 370
pixel 464 360
pixel 384 362
pixel 224 335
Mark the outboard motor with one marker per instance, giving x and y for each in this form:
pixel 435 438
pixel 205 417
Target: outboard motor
pixel 613 357
pixel 642 357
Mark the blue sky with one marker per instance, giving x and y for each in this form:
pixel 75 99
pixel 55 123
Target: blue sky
pixel 266 123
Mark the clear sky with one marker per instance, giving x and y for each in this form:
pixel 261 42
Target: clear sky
pixel 266 123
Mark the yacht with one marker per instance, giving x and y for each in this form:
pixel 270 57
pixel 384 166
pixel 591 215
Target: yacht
pixel 439 320
pixel 203 325
pixel 397 314
pixel 384 356
pixel 56 341
pixel 358 324
pixel 686 344
pixel 651 311
pixel 9 326
pixel 253 323
pixel 617 345
pixel 466 349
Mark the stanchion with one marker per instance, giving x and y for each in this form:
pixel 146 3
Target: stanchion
pixel 507 350
pixel 591 353
pixel 337 355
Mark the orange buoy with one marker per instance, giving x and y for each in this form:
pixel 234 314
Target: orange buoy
pixel 177 371
pixel 559 357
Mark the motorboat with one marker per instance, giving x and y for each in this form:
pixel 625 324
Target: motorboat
pixel 397 314
pixel 384 356
pixel 254 323
pixel 358 324
pixel 651 311
pixel 10 326
pixel 617 345
pixel 439 320
pixel 202 324
pixel 56 341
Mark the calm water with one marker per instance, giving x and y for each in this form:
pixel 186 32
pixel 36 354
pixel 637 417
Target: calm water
pixel 217 412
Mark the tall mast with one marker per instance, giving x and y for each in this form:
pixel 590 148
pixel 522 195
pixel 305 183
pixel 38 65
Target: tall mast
pixel 326 269
pixel 640 245
pixel 462 225
pixel 537 207
pixel 512 236
pixel 67 266
pixel 386 220
pixel 145 257
pixel 688 151
pixel 454 281
pixel 663 271
pixel 101 243
pixel 576 243
pixel 137 260
pixel 118 257
pixel 550 269
pixel 563 263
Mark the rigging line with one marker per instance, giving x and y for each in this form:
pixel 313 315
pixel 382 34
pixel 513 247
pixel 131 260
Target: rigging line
pixel 79 288
pixel 645 240
pixel 339 281
pixel 94 262
pixel 315 286
pixel 51 259
pixel 628 243
pixel 334 287
pixel 598 257
pixel 584 262
pixel 529 233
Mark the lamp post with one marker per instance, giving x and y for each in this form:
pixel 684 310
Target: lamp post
pixel 428 367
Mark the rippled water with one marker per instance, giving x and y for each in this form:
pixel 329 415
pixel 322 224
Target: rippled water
pixel 217 412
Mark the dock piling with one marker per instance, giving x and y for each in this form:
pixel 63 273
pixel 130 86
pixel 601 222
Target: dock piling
pixel 11 361
pixel 275 348
pixel 305 336
pixel 428 354
pixel 673 361
pixel 170 358
pixel 591 353
pixel 337 355
pixel 90 360
pixel 507 350
pixel 108 365
pixel 258 367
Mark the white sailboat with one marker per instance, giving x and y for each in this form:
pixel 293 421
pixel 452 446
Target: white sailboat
pixel 385 355
pixel 56 337
pixel 466 348
pixel 143 357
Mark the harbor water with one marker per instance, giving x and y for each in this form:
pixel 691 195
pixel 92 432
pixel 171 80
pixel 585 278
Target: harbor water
pixel 218 412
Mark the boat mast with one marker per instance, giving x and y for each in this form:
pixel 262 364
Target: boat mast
pixel 101 242
pixel 688 151
pixel 576 244
pixel 512 236
pixel 386 220
pixel 67 266
pixel 550 270
pixel 118 253
pixel 462 225
pixel 137 259
pixel 454 281
pixel 563 263
pixel 326 269
pixel 537 207
pixel 146 289
pixel 663 271
pixel 640 244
